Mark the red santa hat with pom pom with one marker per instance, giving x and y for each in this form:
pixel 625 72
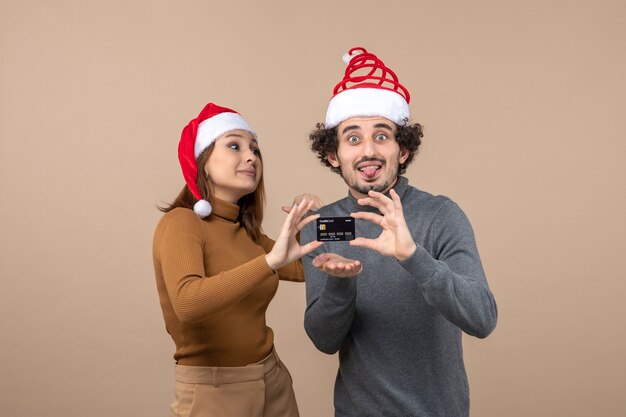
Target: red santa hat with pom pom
pixel 212 122
pixel 368 88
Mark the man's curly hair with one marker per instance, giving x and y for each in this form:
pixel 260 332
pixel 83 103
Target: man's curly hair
pixel 325 141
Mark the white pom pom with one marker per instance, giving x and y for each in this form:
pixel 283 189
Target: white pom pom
pixel 202 208
pixel 347 57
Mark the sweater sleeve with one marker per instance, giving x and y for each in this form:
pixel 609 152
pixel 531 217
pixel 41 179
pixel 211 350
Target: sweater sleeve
pixel 453 281
pixel 290 272
pixel 331 303
pixel 179 249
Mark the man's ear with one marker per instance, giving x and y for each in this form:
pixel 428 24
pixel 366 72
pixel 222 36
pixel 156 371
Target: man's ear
pixel 404 155
pixel 332 159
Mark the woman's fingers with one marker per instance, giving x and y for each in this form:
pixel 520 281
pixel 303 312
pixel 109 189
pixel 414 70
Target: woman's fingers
pixel 311 246
pixel 299 210
pixel 305 209
pixel 289 219
pixel 306 221
pixel 316 202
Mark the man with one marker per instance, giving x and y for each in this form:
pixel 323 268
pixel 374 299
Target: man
pixel 394 300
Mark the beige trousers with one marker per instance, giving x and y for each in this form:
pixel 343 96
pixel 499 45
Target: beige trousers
pixel 263 389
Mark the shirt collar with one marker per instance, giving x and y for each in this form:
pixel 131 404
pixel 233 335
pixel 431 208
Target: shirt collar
pixel 225 210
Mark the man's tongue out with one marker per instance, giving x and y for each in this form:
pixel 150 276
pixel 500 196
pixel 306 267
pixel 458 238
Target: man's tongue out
pixel 370 171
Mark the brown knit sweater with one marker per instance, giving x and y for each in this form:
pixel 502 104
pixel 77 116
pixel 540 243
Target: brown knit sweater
pixel 214 287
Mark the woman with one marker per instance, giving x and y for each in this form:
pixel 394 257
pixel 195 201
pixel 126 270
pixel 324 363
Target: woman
pixel 216 274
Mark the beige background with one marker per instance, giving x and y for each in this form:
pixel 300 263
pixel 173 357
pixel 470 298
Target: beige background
pixel 523 105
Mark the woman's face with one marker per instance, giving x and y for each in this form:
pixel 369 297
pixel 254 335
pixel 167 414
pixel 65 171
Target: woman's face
pixel 234 167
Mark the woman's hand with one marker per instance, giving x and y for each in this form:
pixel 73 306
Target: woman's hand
pixel 287 248
pixel 317 202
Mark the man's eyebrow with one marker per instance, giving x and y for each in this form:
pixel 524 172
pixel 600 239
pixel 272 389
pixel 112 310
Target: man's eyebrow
pixel 350 127
pixel 377 126
pixel 383 126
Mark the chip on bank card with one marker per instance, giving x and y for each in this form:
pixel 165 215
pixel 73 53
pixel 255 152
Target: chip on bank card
pixel 331 229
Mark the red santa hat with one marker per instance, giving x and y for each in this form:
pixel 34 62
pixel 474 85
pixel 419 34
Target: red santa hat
pixel 212 122
pixel 368 88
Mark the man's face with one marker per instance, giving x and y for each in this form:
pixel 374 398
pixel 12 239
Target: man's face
pixel 368 154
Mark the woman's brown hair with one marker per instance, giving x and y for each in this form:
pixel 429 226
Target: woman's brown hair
pixel 250 205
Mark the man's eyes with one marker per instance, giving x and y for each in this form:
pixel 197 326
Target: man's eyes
pixel 355 139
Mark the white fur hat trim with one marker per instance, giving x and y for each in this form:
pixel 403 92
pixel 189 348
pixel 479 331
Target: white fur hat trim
pixel 211 129
pixel 367 102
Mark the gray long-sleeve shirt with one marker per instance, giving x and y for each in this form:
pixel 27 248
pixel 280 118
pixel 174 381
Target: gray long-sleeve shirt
pixel 397 325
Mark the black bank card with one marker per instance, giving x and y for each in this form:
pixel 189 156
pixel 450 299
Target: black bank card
pixel 332 229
